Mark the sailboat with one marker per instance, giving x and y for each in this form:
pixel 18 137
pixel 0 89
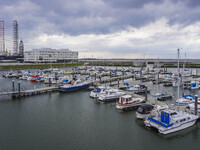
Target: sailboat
pixel 169 121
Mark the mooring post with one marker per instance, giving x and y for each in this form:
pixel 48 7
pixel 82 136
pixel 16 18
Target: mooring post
pixel 118 83
pixel 19 88
pixel 195 104
pixel 49 82
pixel 145 92
pixel 13 85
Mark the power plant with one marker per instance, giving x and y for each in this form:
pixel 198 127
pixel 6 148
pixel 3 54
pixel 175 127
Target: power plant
pixel 18 48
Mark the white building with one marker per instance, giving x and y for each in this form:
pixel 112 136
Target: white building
pixel 45 55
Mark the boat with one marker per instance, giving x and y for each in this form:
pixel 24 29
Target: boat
pixel 68 73
pixel 127 102
pixel 194 85
pixel 191 106
pixel 185 100
pixel 74 86
pixel 158 95
pixel 97 91
pixel 110 95
pixel 137 88
pixel 144 111
pixel 169 121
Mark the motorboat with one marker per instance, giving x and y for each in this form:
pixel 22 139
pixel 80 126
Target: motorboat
pixel 74 86
pixel 185 100
pixel 128 102
pixel 158 94
pixel 169 121
pixel 136 88
pixel 97 91
pixel 110 95
pixel 144 111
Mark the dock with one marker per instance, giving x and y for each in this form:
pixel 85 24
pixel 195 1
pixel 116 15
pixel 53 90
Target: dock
pixel 34 91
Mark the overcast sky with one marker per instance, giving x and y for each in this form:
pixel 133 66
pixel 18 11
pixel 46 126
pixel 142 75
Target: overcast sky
pixel 107 28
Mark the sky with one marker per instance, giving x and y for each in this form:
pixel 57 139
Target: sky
pixel 106 28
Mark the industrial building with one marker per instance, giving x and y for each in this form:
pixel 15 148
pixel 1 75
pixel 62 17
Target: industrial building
pixel 46 55
pixel 15 37
pixel 2 38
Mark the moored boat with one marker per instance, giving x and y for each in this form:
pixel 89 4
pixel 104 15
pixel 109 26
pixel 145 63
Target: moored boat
pixel 127 102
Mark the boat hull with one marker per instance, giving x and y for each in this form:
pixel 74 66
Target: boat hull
pixel 74 88
pixel 172 129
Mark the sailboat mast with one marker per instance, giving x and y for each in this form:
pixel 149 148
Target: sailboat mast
pixel 178 77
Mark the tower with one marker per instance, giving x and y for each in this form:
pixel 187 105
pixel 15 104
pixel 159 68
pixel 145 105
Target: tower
pixel 2 38
pixel 21 48
pixel 15 37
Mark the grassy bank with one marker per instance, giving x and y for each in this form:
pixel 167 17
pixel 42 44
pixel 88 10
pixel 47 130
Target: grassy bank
pixel 173 65
pixel 111 63
pixel 39 66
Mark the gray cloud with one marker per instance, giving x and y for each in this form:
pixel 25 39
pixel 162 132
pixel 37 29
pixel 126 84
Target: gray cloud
pixel 77 17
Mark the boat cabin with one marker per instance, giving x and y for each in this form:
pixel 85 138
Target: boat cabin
pixel 125 99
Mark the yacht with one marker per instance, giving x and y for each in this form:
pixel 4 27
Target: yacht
pixel 74 86
pixel 169 121
pixel 110 95
pixel 128 102
pixel 185 100
pixel 97 91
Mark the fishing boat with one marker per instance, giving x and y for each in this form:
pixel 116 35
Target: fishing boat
pixel 127 102
pixel 110 95
pixel 97 91
pixel 74 86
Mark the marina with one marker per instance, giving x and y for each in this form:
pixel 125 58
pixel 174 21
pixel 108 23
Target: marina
pixel 85 106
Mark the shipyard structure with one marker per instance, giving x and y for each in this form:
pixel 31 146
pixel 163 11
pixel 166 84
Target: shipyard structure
pixel 48 55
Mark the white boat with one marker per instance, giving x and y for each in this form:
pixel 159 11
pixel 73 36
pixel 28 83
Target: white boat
pixel 136 88
pixel 97 91
pixel 110 95
pixel 128 102
pixel 192 106
pixel 185 100
pixel 169 121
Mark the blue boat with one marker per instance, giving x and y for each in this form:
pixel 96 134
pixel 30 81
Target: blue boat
pixel 77 85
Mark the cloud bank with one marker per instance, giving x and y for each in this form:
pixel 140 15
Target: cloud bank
pixel 107 29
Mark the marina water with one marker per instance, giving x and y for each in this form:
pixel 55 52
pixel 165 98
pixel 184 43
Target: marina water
pixel 74 121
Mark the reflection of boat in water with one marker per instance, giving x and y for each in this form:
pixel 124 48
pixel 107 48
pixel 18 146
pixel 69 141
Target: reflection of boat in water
pixel 127 102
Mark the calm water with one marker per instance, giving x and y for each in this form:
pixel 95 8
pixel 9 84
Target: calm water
pixel 74 121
